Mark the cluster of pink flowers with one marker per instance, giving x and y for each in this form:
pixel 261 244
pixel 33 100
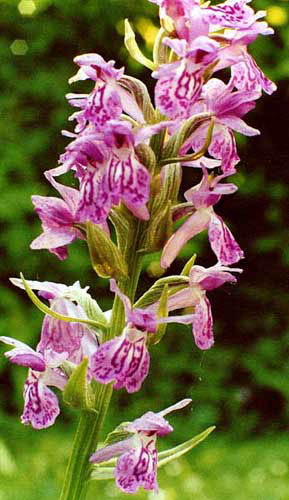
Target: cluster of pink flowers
pixel 198 41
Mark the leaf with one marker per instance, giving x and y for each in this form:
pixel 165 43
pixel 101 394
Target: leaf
pixel 146 156
pixel 46 310
pixel 77 392
pixel 160 50
pixel 164 457
pixel 160 230
pixel 198 154
pixel 118 434
pixel 188 266
pixel 133 48
pixel 106 258
pixel 99 473
pixel 154 293
pixel 175 143
pixel 88 304
pixel 162 312
pixel 122 225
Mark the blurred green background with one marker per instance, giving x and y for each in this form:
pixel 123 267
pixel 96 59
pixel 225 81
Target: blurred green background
pixel 242 383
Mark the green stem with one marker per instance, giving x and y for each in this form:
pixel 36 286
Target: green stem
pixel 75 474
pixel 90 425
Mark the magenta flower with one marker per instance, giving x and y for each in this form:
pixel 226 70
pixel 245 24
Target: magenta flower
pixel 104 102
pixel 234 14
pixel 180 11
pixel 109 170
pixel 180 83
pixel 125 359
pixel 75 339
pixel 107 100
pixel 40 403
pixel 58 220
pixel 228 108
pixel 201 281
pixel 245 73
pixel 248 77
pixel 137 463
pixel 202 198
pixel 60 341
pixel 192 20
pixel 120 178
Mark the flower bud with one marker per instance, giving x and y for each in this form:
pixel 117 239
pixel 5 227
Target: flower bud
pixel 146 156
pixel 107 261
pixel 139 91
pixel 77 392
pixel 160 229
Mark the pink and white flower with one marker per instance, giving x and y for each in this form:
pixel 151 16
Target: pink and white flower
pixel 202 199
pixel 228 108
pixel 125 359
pixel 137 463
pixel 202 280
pixel 59 342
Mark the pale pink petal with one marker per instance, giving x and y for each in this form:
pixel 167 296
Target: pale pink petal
pixel 40 405
pixel 124 359
pixel 138 467
pixel 193 225
pixel 150 422
pixel 203 324
pixel 178 87
pixel 130 106
pixel 113 450
pixel 125 300
pixel 223 243
pixel 247 76
pixel 177 406
pixel 52 239
pixel 237 124
pixel 47 289
pixel 23 355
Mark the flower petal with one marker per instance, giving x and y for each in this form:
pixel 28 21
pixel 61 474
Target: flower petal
pixel 60 336
pixel 223 147
pixel 203 324
pixel 124 359
pixel 247 76
pixel 195 224
pixel 46 289
pixel 223 243
pixel 213 277
pixel 40 404
pixel 177 406
pixel 179 86
pixel 23 355
pixel 233 14
pixel 150 422
pixel 113 450
pixel 137 468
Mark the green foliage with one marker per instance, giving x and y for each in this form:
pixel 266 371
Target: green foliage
pixel 251 470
